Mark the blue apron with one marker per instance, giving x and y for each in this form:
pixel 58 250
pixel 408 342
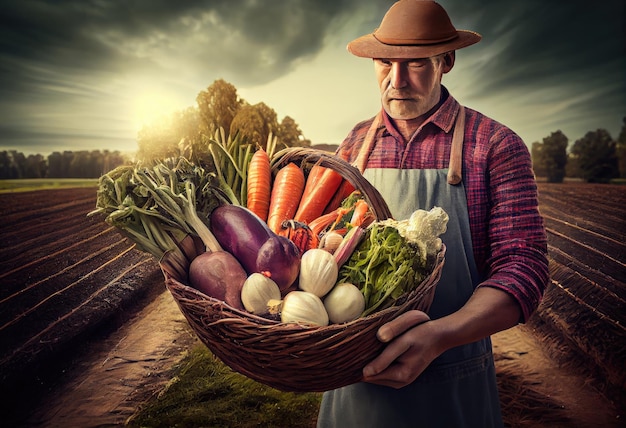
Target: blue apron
pixel 459 388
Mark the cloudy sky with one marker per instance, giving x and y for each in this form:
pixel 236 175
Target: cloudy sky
pixel 87 74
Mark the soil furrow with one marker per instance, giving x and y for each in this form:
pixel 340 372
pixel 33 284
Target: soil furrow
pixel 605 282
pixel 610 215
pixel 57 290
pixel 591 227
pixel 606 245
pixel 40 316
pixel 601 261
pixel 75 261
pixel 25 259
pixel 87 263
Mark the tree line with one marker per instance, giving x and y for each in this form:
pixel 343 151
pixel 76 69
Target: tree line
pixel 68 164
pixel 596 157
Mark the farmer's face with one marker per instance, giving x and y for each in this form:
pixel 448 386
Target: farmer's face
pixel 411 87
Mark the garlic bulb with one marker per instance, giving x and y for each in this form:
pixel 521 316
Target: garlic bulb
pixel 330 241
pixel 344 303
pixel 305 307
pixel 257 291
pixel 318 272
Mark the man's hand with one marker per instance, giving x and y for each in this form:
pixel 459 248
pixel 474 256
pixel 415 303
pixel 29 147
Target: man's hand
pixel 409 351
pixel 414 343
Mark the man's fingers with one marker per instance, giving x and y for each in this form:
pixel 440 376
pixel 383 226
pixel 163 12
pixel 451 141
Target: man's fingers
pixel 396 327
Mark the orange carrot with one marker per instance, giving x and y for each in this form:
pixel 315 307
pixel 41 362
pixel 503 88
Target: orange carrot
pixel 345 189
pixel 324 221
pixel 361 216
pixel 259 184
pixel 316 197
pixel 285 197
pixel 315 173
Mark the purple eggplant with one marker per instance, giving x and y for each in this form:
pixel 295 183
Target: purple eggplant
pixel 240 232
pixel 279 259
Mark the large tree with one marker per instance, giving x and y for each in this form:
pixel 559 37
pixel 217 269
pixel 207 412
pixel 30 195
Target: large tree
pixel 218 105
pixel 290 134
pixel 596 156
pixel 255 123
pixel 553 155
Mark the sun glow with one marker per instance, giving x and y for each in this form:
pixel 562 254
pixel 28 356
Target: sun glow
pixel 150 107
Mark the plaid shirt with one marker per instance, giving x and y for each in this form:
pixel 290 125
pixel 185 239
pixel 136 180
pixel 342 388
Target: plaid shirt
pixel 509 239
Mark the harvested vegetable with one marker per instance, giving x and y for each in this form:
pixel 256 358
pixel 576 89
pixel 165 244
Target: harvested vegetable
pixel 157 206
pixel 279 259
pixel 300 234
pixel 240 232
pixel 318 272
pixel 256 293
pixel 302 307
pixel 317 194
pixel 348 244
pixel 231 157
pixel 286 193
pixel 218 275
pixel 344 303
pixel 345 189
pixel 259 184
pixel 423 228
pixel 328 220
pixel 394 257
pixel 361 214
pixel 330 241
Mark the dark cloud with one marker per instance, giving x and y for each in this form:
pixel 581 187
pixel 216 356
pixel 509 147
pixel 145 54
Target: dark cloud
pixel 566 60
pixel 56 56
pixel 552 39
pixel 99 35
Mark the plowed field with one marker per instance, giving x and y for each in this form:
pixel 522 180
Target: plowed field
pixel 63 276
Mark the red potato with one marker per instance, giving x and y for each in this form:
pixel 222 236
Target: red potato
pixel 219 275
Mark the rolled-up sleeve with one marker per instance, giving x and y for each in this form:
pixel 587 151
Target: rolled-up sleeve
pixel 516 254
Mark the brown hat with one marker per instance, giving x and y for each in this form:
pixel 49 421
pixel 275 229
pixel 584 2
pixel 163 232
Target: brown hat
pixel 413 29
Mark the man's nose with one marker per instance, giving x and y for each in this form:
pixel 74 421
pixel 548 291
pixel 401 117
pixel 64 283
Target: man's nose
pixel 397 77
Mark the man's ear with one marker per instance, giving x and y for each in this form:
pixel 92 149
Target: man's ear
pixel 448 61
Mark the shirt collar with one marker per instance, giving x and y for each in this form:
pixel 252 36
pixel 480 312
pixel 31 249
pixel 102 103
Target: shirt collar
pixel 445 116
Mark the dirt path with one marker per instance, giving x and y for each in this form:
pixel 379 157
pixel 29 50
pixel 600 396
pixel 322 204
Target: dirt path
pixel 519 352
pixel 132 365
pixel 123 371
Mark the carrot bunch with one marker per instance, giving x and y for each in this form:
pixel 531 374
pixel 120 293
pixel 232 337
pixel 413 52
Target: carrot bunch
pixel 296 205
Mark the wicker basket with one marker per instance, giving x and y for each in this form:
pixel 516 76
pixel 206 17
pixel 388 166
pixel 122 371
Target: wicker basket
pixel 289 356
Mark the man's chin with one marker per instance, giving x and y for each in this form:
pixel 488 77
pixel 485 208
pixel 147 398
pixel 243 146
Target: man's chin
pixel 399 114
pixel 402 110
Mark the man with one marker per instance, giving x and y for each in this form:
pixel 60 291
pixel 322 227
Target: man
pixel 424 149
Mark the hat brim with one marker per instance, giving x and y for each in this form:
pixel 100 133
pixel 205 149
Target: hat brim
pixel 369 46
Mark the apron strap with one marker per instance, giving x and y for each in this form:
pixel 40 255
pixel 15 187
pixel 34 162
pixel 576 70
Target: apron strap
pixel 456 151
pixel 368 143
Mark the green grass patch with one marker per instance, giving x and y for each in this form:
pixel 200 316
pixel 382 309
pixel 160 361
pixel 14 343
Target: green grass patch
pixel 205 392
pixel 29 184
